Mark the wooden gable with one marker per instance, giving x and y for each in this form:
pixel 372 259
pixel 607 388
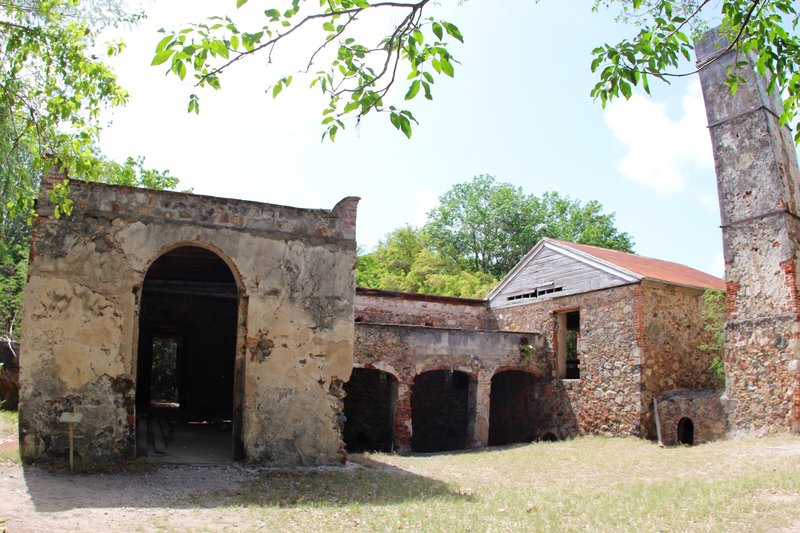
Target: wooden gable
pixel 551 270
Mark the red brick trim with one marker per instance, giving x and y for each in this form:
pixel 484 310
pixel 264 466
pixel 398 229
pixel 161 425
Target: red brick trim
pixel 790 272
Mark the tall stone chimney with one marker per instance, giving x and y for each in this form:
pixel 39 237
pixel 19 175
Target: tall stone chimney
pixel 757 180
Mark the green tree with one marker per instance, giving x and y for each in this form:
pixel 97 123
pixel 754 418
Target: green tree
pixel 493 225
pixel 52 90
pixel 714 318
pixel 667 29
pixel 405 261
pixel 357 75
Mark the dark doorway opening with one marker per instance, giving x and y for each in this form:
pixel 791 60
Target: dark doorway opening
pixel 512 409
pixel 187 359
pixel 369 408
pixel 441 404
pixel 686 431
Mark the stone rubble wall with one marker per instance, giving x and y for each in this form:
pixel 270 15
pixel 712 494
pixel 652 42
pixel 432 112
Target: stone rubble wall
pixel 672 335
pixel 606 400
pixel 407 351
pixel 294 269
pixel 387 307
pixel 703 407
pixel 759 191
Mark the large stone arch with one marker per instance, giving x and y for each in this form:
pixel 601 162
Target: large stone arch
pixel 369 409
pixel 513 406
pixel 188 357
pixel 442 409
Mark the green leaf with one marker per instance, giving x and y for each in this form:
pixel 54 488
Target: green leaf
pixel 162 57
pixel 240 3
pixel 413 90
pixel 447 67
pixel 453 31
pixel 437 30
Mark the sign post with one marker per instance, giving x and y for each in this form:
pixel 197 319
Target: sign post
pixel 71 419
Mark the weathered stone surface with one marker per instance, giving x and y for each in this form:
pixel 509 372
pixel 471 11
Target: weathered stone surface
pixel 635 341
pixel 405 352
pixel 387 307
pixel 294 273
pixel 703 407
pixel 759 191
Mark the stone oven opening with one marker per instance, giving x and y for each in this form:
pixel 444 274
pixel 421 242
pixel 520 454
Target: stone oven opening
pixel 511 408
pixel 369 408
pixel 186 358
pixel 686 431
pixel 441 402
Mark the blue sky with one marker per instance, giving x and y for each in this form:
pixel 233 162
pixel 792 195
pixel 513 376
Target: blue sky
pixel 518 109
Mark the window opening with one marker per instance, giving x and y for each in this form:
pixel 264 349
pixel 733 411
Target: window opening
pixel 535 294
pixel 568 333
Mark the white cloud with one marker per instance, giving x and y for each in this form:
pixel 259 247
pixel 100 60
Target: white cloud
pixel 662 153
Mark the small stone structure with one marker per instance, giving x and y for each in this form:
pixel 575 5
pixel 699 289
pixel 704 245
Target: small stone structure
pixel 691 417
pixel 254 302
pixel 759 193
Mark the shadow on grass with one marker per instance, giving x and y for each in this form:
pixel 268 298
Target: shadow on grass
pixel 368 482
pixel 187 487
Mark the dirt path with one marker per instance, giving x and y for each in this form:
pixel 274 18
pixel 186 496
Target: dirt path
pixel 35 500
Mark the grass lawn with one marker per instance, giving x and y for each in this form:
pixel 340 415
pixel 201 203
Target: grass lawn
pixel 588 484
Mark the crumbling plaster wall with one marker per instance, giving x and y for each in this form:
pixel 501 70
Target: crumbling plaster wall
pixel 407 351
pixel 294 268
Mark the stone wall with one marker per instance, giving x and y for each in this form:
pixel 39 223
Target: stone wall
pixel 702 407
pixel 672 335
pixel 607 398
pixel 294 343
pixel 387 307
pixel 408 351
pixel 759 192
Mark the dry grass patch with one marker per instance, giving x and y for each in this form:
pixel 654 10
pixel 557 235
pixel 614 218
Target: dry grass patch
pixel 590 483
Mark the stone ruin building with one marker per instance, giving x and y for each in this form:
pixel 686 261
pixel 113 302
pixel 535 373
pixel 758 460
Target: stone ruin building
pixel 161 315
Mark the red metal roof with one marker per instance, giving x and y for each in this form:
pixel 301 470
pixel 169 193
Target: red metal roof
pixel 649 268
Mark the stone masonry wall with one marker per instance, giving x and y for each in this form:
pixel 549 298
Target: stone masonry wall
pixel 407 351
pixel 387 307
pixel 673 332
pixel 703 407
pixel 759 192
pixel 294 270
pixel 606 399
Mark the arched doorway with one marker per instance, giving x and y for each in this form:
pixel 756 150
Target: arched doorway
pixel 186 358
pixel 686 431
pixel 511 408
pixel 369 409
pixel 441 404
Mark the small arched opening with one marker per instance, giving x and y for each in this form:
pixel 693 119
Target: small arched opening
pixel 369 409
pixel 512 408
pixel 186 358
pixel 441 404
pixel 686 431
